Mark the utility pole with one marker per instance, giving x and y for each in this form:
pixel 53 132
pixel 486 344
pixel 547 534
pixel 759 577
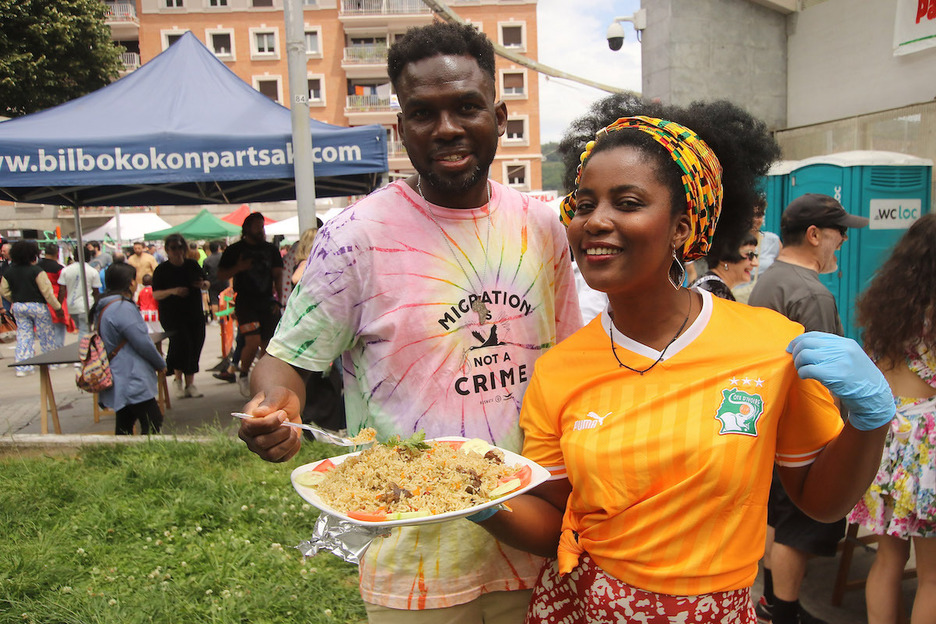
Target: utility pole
pixel 299 109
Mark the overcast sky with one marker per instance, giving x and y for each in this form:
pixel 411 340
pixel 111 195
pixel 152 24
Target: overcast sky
pixel 571 37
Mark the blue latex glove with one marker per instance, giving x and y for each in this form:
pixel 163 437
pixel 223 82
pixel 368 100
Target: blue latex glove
pixel 484 514
pixel 842 366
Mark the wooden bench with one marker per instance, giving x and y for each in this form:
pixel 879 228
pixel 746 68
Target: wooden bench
pixel 69 355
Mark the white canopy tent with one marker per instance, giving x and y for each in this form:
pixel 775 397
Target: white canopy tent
pixel 290 227
pixel 132 227
pixel 287 227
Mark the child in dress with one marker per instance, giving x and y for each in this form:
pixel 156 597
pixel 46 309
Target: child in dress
pixel 898 314
pixel 147 305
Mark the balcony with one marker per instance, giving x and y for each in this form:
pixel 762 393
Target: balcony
pixel 395 149
pixel 131 61
pixel 376 13
pixel 369 104
pixel 365 61
pixel 122 19
pixel 397 158
pixel 366 54
pixel 367 109
pixel 120 12
pixel 383 7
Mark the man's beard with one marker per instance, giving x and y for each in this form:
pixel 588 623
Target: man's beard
pixel 450 186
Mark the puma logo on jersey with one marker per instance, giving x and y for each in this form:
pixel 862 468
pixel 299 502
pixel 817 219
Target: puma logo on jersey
pixel 593 421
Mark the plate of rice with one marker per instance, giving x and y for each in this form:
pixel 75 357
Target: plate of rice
pixel 416 481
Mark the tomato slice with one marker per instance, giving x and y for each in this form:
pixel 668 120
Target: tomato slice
pixel 455 444
pixel 367 517
pixel 325 466
pixel 525 474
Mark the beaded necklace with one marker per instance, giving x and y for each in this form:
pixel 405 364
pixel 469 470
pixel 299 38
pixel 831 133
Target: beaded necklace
pixel 662 353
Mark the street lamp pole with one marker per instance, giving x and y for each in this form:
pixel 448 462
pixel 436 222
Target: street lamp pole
pixel 304 168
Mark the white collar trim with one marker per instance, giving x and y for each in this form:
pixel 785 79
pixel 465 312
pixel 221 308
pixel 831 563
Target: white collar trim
pixel 687 337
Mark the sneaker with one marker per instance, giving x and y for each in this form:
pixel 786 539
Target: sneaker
pixel 21 373
pixel 225 376
pixel 244 385
pixel 762 610
pixel 179 388
pixel 805 617
pixel 192 392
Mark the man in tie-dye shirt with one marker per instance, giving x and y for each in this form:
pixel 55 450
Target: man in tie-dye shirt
pixel 438 292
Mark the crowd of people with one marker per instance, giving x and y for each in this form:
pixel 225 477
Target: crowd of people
pixel 705 421
pixel 688 434
pixel 174 288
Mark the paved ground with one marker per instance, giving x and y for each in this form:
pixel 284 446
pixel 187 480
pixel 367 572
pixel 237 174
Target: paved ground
pixel 19 397
pixel 20 426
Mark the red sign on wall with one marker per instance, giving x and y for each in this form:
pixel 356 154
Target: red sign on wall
pixel 915 26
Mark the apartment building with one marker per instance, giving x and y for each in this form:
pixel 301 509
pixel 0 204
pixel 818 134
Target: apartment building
pixel 346 53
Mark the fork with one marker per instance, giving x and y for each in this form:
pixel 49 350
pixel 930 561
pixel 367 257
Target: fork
pixel 320 434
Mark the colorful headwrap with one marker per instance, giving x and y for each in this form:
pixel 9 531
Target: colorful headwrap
pixel 701 177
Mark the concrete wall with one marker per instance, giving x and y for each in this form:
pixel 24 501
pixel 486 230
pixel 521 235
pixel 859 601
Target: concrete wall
pixel 708 49
pixel 841 63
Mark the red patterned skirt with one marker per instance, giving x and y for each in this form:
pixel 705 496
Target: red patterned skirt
pixel 588 594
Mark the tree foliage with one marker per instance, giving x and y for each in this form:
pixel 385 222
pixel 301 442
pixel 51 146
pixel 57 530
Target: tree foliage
pixel 52 51
pixel 552 167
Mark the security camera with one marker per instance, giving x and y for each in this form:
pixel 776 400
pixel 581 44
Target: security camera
pixel 615 36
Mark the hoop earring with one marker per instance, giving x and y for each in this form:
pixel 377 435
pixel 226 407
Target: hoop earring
pixel 680 275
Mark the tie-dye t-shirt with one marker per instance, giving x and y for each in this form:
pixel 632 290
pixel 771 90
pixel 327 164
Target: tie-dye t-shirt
pixel 439 315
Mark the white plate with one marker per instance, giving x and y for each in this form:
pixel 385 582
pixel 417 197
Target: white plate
pixel 538 475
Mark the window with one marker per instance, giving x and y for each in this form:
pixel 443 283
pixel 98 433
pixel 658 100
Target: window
pixel 170 38
pixel 512 36
pixel 173 4
pixel 217 3
pixel 268 87
pixel 517 174
pixel 515 129
pixel 222 43
pixel 261 3
pixel 315 90
pixel 310 2
pixel 313 46
pixel 516 133
pixel 514 84
pixel 265 43
pixel 365 41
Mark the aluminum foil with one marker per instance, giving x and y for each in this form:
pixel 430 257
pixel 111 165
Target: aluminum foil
pixel 343 539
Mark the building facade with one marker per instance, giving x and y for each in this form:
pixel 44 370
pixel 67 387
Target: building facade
pixel 823 74
pixel 346 56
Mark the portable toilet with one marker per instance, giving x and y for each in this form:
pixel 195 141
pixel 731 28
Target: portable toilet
pixel 775 187
pixel 891 189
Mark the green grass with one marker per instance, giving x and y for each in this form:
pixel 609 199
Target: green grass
pixel 164 531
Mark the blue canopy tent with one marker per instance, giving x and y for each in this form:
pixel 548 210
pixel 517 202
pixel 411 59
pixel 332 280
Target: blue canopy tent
pixel 182 129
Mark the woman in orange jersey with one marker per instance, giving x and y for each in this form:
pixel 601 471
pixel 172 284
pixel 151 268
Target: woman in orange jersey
pixel 660 421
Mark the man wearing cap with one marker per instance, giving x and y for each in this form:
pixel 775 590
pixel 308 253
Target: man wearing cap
pixel 813 228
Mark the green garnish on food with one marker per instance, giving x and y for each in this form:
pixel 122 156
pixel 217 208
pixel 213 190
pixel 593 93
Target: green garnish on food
pixel 416 442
